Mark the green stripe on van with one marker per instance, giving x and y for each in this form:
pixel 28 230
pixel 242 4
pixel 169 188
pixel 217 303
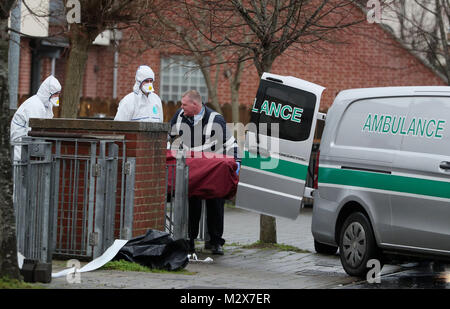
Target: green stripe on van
pixel 284 168
pixel 382 181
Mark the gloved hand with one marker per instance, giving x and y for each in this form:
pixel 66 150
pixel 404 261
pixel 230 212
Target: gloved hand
pixel 238 167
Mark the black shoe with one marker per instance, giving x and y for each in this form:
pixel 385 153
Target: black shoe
pixel 191 247
pixel 208 245
pixel 217 250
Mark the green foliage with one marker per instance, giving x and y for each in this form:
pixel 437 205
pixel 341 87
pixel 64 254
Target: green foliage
pixel 7 283
pixel 230 204
pixel 233 244
pixel 280 247
pixel 129 266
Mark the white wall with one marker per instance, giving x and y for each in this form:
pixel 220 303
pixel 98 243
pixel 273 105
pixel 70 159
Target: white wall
pixel 35 23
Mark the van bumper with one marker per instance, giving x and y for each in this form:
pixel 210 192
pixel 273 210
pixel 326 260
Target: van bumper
pixel 324 218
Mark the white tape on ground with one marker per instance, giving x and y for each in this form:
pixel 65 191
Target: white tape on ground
pixel 109 254
pixel 194 258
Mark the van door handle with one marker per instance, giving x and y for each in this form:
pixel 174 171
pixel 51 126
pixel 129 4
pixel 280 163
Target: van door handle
pixel 445 165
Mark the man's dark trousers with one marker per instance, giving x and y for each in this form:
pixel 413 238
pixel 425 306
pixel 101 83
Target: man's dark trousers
pixel 214 219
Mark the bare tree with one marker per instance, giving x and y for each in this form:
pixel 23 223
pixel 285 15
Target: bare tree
pixel 276 25
pixel 81 22
pixel 267 28
pixel 234 75
pixel 8 243
pixel 96 17
pixel 423 27
pixel 179 23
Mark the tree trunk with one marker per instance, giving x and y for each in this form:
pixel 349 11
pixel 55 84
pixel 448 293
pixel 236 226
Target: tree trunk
pixel 235 84
pixel 80 41
pixel 8 243
pixel 212 89
pixel 268 224
pixel 268 229
pixel 213 97
pixel 263 63
pixel 235 103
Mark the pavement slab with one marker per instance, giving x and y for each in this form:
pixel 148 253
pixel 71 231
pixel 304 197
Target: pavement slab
pixel 238 268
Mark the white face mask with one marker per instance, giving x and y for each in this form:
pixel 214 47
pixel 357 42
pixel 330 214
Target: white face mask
pixel 55 101
pixel 147 88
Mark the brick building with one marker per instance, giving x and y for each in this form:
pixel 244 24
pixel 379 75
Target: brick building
pixel 371 57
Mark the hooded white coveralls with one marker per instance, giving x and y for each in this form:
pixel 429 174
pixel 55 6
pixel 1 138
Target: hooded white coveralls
pixel 38 106
pixel 136 106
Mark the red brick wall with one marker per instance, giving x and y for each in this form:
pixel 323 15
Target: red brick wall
pixel 90 74
pixel 364 63
pixel 70 205
pixel 370 57
pixel 46 68
pixel 104 82
pixel 149 149
pixel 24 68
pixel 367 57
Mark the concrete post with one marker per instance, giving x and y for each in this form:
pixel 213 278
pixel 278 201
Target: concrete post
pixel 14 56
pixel 180 211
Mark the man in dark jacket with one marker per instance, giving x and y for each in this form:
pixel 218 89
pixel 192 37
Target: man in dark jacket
pixel 203 130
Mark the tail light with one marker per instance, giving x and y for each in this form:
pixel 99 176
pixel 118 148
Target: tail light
pixel 316 171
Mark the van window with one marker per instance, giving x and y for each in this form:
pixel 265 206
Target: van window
pixel 428 127
pixel 374 123
pixel 291 108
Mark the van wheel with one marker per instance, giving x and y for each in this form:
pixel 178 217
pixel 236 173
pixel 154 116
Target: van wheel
pixel 324 249
pixel 357 245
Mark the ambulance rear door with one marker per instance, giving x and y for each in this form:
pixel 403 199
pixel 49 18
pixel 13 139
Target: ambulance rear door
pixel 278 145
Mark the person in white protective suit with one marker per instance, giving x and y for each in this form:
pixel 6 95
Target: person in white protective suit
pixel 143 104
pixel 38 106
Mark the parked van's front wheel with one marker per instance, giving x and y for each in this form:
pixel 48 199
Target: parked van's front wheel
pixel 357 245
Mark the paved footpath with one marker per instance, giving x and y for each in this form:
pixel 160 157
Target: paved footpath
pixel 240 268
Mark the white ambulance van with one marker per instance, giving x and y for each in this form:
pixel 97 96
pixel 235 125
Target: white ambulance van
pixel 383 182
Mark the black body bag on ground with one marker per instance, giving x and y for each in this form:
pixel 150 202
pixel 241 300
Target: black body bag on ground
pixel 156 250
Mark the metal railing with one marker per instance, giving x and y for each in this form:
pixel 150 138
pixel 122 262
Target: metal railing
pixel 70 186
pixel 32 165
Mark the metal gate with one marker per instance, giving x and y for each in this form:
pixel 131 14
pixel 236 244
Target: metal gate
pixel 83 177
pixel 32 165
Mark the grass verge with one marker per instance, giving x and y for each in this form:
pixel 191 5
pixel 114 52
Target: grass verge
pixel 129 266
pixel 8 283
pixel 233 244
pixel 280 247
pixel 230 204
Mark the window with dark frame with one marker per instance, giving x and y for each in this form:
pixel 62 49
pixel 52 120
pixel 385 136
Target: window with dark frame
pixel 291 108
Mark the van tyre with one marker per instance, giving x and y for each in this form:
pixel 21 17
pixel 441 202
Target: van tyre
pixel 324 249
pixel 357 245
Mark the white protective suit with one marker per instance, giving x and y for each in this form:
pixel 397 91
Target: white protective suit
pixel 136 106
pixel 38 106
